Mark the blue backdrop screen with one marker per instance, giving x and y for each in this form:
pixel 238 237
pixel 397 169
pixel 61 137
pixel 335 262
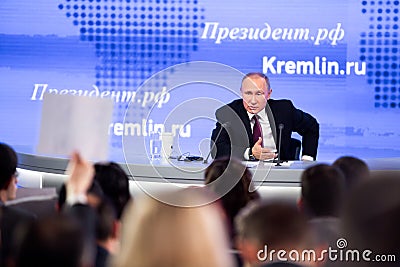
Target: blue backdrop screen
pixel 338 60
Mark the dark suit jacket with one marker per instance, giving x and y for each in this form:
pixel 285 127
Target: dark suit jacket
pixel 12 220
pixel 86 216
pixel 236 135
pixel 102 255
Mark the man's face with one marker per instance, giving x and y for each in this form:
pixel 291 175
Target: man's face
pixel 255 94
pixel 12 188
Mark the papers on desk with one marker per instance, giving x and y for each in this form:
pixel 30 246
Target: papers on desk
pixel 285 163
pixel 252 164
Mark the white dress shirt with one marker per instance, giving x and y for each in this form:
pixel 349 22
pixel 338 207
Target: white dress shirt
pixel 268 138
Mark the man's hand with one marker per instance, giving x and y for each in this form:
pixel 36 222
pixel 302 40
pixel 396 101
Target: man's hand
pixel 262 153
pixel 81 174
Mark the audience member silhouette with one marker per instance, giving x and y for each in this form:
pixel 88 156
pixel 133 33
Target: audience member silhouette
pixel 267 227
pixel 322 196
pixel 11 218
pixel 115 184
pixel 354 169
pixel 52 241
pixel 322 190
pixel 94 196
pixel 371 220
pixel 67 238
pixel 105 204
pixel 231 180
pixel 107 225
pixel 187 228
pixel 106 233
pixel 158 234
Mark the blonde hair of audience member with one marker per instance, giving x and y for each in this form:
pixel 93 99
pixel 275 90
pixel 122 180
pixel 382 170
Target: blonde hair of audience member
pixel 155 234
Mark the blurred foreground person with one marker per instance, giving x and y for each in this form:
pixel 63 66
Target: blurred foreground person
pixel 354 169
pixel 231 181
pixel 274 234
pixel 94 196
pixel 189 233
pixel 67 238
pixel 107 230
pixel 11 219
pixel 372 221
pixel 52 241
pixel 114 182
pixel 322 197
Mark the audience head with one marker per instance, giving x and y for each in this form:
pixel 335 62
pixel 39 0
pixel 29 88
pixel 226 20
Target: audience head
pixel 372 216
pixel 277 225
pixel 52 241
pixel 8 172
pixel 223 171
pixel 115 184
pixel 156 234
pixel 354 169
pixel 94 195
pixel 322 191
pixel 105 221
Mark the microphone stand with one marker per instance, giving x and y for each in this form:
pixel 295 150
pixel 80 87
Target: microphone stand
pixel 279 144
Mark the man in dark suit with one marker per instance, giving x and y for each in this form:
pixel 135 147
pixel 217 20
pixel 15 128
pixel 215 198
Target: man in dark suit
pixel 248 128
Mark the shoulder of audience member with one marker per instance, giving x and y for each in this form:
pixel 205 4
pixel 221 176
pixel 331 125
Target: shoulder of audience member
pixel 18 213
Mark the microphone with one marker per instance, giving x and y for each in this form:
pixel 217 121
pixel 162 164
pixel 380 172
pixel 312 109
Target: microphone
pixel 223 125
pixel 281 126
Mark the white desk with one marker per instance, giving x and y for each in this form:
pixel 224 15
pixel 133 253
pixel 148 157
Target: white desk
pixel 147 175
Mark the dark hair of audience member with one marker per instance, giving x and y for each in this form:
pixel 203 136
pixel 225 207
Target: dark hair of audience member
pixel 322 190
pixel 219 174
pixel 95 195
pixel 52 241
pixel 8 165
pixel 115 184
pixel 277 224
pixel 106 217
pixel 106 232
pixel 12 219
pixel 354 169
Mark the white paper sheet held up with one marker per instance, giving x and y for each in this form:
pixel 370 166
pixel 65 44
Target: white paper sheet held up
pixel 75 123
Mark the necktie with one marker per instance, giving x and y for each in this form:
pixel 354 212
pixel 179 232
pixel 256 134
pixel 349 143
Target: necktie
pixel 257 132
